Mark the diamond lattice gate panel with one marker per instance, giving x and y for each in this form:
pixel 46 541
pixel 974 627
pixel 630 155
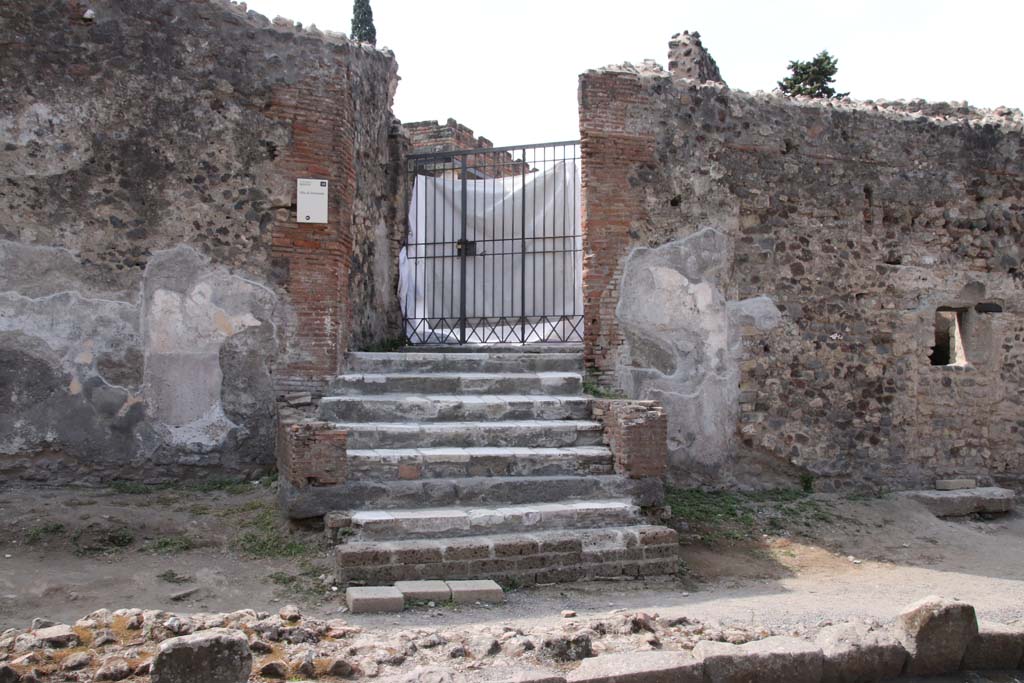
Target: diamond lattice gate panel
pixel 494 250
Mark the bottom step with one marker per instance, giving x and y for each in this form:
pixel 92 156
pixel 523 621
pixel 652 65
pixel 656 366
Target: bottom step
pixel 515 559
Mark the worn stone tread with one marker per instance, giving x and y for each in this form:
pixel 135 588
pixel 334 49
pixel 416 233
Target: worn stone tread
pixel 470 361
pixel 531 383
pixel 526 433
pixel 452 462
pixel 453 407
pixel 464 520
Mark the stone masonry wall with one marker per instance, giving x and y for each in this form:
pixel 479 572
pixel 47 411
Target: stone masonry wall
pixel 770 270
pixel 156 291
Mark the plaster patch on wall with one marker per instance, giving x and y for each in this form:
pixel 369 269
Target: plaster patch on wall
pixel 683 342
pixel 189 310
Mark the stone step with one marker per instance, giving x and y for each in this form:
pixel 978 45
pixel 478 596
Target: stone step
pixel 504 362
pixel 525 433
pixel 531 384
pixel 527 558
pixel 363 494
pixel 408 524
pixel 388 464
pixel 451 408
pixel 532 348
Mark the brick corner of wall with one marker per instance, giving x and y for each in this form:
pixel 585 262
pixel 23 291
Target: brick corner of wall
pixel 637 434
pixel 311 453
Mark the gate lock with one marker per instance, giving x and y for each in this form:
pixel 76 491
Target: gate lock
pixel 465 248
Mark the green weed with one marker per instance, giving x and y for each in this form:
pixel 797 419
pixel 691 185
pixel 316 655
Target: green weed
pixel 263 537
pixel 38 533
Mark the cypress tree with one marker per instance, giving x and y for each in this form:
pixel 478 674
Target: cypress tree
pixel 812 78
pixel 362 22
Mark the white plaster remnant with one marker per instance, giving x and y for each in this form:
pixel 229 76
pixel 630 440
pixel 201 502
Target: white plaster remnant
pixel 190 310
pixel 683 342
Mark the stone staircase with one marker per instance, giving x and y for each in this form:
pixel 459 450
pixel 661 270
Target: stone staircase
pixel 483 463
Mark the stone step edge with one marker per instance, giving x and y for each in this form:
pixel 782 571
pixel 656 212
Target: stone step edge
pixel 468 398
pixel 479 451
pixel 464 355
pixel 459 375
pixel 553 556
pixel 459 425
pixel 340 523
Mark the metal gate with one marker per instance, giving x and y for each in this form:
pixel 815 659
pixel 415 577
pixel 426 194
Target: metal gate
pixel 494 249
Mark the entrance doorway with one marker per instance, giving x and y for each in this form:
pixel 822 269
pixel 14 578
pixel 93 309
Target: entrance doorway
pixel 494 248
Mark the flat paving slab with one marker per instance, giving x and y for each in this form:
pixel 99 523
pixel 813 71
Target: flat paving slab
pixel 424 590
pixel 482 590
pixel 362 599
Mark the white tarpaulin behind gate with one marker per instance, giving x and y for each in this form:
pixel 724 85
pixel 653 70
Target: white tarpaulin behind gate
pixel 513 268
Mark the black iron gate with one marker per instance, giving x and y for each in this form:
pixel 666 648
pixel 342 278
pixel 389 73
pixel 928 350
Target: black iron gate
pixel 494 249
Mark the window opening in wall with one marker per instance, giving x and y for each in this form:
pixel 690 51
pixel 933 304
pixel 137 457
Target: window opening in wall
pixel 949 342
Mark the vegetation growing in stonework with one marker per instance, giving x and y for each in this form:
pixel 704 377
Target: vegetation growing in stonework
pixel 362 22
pixel 813 78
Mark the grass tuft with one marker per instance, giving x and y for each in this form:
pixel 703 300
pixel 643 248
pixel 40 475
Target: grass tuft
pixel 734 516
pixel 41 531
pixel 263 537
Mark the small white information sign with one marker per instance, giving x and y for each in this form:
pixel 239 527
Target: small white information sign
pixel 311 195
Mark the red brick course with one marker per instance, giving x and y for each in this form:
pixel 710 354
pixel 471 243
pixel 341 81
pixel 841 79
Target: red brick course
pixel 311 454
pixel 637 434
pixel 614 147
pixel 315 257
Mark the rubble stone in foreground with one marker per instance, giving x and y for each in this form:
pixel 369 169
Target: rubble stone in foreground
pixel 217 655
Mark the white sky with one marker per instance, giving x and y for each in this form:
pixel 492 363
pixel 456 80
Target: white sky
pixel 508 68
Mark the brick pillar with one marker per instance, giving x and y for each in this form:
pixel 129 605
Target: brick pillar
pixel 613 146
pixel 311 261
pixel 637 434
pixel 311 454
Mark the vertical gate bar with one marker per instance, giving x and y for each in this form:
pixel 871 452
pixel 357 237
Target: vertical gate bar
pixel 439 244
pixel 576 228
pixel 462 258
pixel 565 229
pixel 544 243
pixel 522 268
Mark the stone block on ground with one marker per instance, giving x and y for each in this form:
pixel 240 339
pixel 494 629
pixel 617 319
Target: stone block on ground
pixel 935 633
pixel 954 484
pixel 60 635
pixel 425 590
pixel 483 590
pixel 639 667
pixel 778 659
pixel 989 499
pixel 856 652
pixel 216 655
pixel 361 599
pixel 519 674
pixel 996 647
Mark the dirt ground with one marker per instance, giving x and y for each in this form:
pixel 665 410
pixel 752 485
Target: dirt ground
pixel 792 561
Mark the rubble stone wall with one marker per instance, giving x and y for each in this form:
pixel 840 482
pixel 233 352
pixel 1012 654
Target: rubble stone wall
pixel 156 291
pixel 770 271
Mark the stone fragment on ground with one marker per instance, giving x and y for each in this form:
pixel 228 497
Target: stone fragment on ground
pixel 363 599
pixel 640 667
pixel 935 632
pixel 476 591
pixel 962 502
pixel 777 659
pixel 996 647
pixel 217 655
pixel 856 651
pixel 437 591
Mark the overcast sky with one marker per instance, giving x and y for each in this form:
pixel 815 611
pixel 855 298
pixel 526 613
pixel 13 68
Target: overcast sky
pixel 508 68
